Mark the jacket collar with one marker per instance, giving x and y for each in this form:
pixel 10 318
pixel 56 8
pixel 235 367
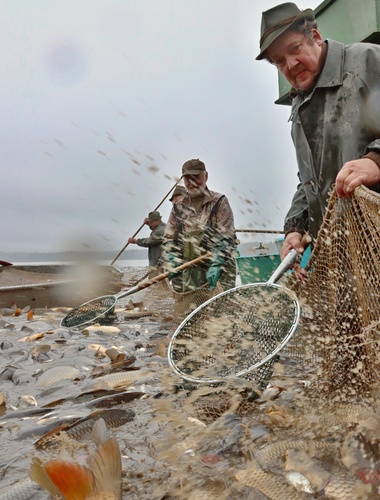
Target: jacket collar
pixel 332 72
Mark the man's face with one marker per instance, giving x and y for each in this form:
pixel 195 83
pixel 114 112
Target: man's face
pixel 177 198
pixel 297 57
pixel 153 223
pixel 195 184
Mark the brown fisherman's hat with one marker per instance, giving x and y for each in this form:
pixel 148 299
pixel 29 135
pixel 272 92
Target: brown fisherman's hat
pixel 178 190
pixel 276 21
pixel 153 216
pixel 193 167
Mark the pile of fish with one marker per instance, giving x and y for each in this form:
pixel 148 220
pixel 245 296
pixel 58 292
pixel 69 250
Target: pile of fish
pixel 95 412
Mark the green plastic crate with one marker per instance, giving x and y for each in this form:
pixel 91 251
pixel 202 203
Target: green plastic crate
pixel 257 268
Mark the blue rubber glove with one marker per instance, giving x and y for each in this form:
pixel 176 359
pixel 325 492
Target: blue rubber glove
pixel 222 250
pixel 173 261
pixel 213 275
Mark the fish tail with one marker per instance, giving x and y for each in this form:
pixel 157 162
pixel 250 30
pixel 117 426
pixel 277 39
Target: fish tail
pixel 74 481
pixel 38 474
pixel 106 469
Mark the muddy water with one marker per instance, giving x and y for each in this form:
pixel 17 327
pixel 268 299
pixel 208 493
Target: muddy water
pixel 183 442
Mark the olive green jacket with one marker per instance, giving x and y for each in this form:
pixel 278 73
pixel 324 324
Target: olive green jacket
pixel 154 243
pixel 338 121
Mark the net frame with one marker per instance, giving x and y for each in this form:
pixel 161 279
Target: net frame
pixel 99 309
pixel 196 333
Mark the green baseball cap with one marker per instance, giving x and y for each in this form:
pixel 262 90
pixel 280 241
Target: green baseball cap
pixel 193 167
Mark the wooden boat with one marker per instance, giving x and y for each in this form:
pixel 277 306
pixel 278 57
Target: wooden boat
pixel 56 285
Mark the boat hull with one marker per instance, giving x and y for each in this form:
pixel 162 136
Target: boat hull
pixel 56 285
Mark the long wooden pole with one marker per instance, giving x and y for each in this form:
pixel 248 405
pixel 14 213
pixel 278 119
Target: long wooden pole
pixel 259 231
pixel 143 224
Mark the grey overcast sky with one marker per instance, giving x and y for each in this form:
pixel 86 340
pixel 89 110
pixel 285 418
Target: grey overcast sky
pixel 104 100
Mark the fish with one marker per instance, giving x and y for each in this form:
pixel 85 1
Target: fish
pixel 57 374
pixel 113 417
pixel 119 380
pixel 100 480
pixel 2 404
pixel 115 398
pixel 27 412
pixel 299 482
pixel 41 430
pixel 102 370
pixel 101 329
pixel 31 338
pixel 339 488
pixel 269 455
pixel 254 476
pixel 23 490
pixel 71 481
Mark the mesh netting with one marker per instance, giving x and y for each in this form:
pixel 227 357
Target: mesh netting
pixel 100 309
pixel 237 330
pixel 340 299
pixel 186 302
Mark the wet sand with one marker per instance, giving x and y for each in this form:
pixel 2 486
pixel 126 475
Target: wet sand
pixel 183 442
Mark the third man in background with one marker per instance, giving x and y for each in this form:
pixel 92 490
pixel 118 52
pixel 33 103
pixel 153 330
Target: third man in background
pixel 178 193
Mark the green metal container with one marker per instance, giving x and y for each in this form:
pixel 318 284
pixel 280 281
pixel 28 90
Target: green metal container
pixel 347 21
pixel 257 268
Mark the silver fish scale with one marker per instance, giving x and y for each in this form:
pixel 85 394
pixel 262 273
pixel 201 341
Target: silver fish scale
pixel 340 488
pixel 24 490
pixel 112 418
pixel 254 477
pixel 272 452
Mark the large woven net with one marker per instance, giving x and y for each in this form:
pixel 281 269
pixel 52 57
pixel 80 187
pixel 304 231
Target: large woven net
pixel 186 302
pixel 162 300
pixel 341 300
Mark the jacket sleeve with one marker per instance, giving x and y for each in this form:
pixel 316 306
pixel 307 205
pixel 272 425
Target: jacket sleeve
pixel 225 224
pixel 155 239
pixel 297 218
pixel 151 241
pixel 370 74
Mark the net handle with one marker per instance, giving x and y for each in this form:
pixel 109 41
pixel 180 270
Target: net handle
pixel 160 277
pixel 143 224
pixel 292 257
pixel 130 291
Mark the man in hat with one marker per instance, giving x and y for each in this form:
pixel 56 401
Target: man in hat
pixel 154 241
pixel 202 221
pixel 178 193
pixel 335 113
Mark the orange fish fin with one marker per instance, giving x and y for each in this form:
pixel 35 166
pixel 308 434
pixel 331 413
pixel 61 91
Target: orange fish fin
pixel 38 474
pixel 75 482
pixel 106 468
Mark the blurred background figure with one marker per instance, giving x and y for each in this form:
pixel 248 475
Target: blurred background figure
pixel 154 240
pixel 178 193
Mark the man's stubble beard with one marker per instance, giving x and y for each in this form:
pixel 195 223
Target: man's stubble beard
pixel 197 192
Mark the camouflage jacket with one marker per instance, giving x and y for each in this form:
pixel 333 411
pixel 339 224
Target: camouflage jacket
pixel 185 224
